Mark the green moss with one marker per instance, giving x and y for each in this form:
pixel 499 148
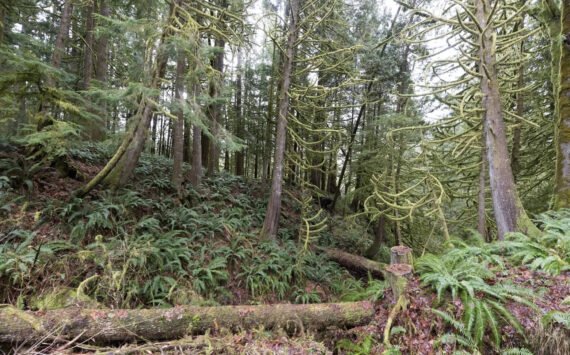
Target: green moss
pixel 61 298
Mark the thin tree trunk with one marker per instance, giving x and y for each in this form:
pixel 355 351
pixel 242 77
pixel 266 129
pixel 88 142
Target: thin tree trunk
pixel 379 237
pixel 187 146
pixel 2 23
pixel 178 130
pixel 62 35
pixel 214 109
pixel 101 66
pixel 562 194
pixel 515 164
pixel 89 45
pixel 56 57
pixel 481 216
pixel 509 212
pixel 196 172
pixel 239 118
pixel 271 223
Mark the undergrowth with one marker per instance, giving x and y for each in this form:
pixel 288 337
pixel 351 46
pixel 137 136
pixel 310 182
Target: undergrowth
pixel 133 247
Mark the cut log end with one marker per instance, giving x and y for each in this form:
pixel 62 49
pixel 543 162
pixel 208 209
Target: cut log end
pixel 401 255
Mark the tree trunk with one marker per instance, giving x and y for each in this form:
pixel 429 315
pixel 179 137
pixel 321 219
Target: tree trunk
pixel 481 216
pixel 89 45
pixel 187 146
pixel 355 262
pixel 178 130
pixel 2 23
pixel 214 109
pixel 101 67
pixel 105 325
pixel 62 35
pixel 509 212
pixel 95 128
pixel 379 236
pixel 515 164
pixel 271 223
pixel 55 61
pixel 239 118
pixel 196 172
pixel 562 194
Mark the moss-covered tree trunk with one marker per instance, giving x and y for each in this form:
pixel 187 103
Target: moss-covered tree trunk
pixel 240 158
pixel 562 194
pixel 509 212
pixel 214 109
pixel 106 325
pixel 271 223
pixel 178 129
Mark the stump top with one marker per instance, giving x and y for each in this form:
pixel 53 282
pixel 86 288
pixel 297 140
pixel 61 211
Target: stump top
pixel 400 269
pixel 400 249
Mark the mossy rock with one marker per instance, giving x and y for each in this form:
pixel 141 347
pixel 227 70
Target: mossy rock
pixel 61 298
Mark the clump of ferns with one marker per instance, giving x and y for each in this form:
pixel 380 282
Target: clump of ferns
pixel 141 268
pixel 549 252
pixel 463 273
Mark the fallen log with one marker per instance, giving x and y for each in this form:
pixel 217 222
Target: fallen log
pixel 356 262
pixel 104 326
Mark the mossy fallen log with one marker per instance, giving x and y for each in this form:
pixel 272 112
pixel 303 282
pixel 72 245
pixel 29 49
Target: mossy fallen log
pixel 356 262
pixel 106 325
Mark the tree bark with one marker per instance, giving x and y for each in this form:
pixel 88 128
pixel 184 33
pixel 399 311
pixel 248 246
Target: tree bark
pixel 271 223
pixel 2 23
pixel 509 212
pixel 89 45
pixel 481 215
pixel 239 119
pixel 178 130
pixel 355 262
pixel 55 61
pixel 562 193
pixel 196 171
pixel 106 325
pixel 379 236
pixel 101 65
pixel 214 109
pixel 62 35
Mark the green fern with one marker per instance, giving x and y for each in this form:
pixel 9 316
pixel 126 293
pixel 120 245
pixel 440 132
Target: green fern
pixel 562 318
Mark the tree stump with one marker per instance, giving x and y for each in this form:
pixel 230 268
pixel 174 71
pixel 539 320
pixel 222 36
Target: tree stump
pixel 401 255
pixel 397 276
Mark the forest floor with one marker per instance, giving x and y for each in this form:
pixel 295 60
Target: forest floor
pixel 204 250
